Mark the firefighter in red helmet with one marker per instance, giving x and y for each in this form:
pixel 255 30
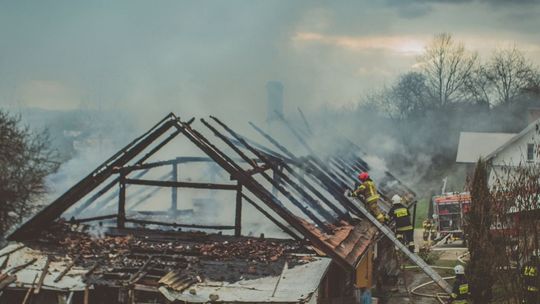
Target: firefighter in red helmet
pixel 370 195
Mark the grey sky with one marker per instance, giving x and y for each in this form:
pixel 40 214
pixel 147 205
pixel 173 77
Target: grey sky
pixel 214 57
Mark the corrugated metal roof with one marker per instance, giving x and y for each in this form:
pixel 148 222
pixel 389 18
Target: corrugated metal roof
pixel 72 281
pixel 295 284
pixel 177 280
pixel 473 145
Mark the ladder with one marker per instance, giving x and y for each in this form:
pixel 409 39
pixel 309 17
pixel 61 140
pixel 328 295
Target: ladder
pixel 412 256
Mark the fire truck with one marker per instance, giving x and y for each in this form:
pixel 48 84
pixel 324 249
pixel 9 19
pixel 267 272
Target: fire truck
pixel 449 211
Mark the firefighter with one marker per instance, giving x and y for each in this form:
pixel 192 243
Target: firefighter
pixel 428 226
pixel 369 192
pixel 401 215
pixel 529 279
pixel 460 291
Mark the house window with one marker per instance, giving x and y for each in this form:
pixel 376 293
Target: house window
pixel 530 152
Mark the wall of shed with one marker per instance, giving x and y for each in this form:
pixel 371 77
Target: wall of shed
pixel 336 286
pixel 385 265
pixel 364 271
pixel 339 286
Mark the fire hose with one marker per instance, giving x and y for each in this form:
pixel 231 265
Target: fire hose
pixel 439 296
pixel 460 258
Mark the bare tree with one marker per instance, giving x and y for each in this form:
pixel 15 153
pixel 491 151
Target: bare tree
pixel 25 160
pixel 407 98
pixel 447 66
pixel 411 95
pixel 509 72
pixel 478 87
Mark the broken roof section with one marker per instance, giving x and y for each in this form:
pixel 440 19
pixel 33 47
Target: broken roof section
pixel 343 157
pixel 297 284
pixel 194 266
pixel 303 196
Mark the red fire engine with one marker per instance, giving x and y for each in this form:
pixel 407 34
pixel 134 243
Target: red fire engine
pixel 449 211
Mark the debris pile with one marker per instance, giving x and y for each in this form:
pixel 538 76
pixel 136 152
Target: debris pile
pixel 76 242
pixel 146 262
pixel 257 250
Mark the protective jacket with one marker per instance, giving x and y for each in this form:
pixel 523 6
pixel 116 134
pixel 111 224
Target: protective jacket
pixel 529 274
pixel 368 190
pixel 402 216
pixel 460 291
pixel 427 225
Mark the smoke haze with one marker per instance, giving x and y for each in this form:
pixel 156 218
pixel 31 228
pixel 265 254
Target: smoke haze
pixel 141 60
pixel 196 57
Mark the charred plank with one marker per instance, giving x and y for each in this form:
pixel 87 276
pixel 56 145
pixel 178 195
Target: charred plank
pixel 144 182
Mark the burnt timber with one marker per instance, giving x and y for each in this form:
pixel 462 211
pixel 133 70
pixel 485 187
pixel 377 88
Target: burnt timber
pixel 301 195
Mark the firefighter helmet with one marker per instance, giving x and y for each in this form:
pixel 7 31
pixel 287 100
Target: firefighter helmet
pixel 459 269
pixel 396 199
pixel 363 176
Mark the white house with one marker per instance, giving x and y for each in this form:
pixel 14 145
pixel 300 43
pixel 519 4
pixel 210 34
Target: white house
pixel 503 150
pixel 520 149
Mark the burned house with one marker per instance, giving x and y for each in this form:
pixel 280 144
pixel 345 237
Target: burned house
pixel 238 222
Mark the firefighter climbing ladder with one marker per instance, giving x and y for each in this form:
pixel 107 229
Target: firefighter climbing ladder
pixel 412 257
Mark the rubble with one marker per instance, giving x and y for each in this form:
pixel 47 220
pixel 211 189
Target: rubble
pixel 78 243
pixel 120 261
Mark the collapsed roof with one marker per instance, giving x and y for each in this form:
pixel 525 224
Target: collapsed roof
pixel 189 267
pixel 302 195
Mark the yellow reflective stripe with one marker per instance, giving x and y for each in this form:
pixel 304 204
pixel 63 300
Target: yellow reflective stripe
pixel 530 271
pixel 372 198
pixel 401 212
pixel 370 186
pixel 406 228
pixel 532 288
pixel 464 288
